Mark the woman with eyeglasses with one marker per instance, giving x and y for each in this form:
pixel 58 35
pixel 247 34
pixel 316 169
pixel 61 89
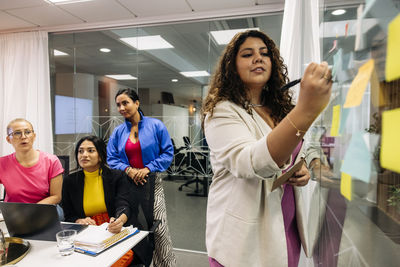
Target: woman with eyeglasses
pixel 29 175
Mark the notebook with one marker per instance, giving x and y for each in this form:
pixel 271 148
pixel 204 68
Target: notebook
pixel 96 239
pixel 34 221
pixel 284 177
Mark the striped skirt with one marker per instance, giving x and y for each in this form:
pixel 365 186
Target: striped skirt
pixel 163 255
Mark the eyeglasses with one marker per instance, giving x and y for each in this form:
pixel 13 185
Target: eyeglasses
pixel 18 134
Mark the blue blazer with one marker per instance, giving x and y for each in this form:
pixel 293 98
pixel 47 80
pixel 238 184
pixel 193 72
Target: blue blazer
pixel 155 143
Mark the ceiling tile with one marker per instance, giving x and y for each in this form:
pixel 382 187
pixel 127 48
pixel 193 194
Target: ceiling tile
pixel 10 22
pixel 45 15
pixel 4 4
pixel 100 10
pixel 210 5
pixel 152 8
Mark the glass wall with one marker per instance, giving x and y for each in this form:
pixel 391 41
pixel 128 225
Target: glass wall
pixel 83 97
pixel 358 200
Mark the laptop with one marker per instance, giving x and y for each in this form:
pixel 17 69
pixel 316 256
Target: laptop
pixel 34 221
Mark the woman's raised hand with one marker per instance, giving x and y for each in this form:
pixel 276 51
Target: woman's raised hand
pixel 315 89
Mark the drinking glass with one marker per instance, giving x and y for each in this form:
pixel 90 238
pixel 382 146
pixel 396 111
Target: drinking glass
pixel 65 241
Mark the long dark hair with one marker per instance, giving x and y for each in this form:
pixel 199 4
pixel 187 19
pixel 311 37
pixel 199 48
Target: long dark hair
pixel 131 94
pixel 98 144
pixel 227 85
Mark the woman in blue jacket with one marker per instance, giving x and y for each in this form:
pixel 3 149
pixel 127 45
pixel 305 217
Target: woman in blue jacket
pixel 139 146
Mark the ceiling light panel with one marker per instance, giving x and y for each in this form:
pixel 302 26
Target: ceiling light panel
pixel 147 42
pixel 59 53
pixel 200 73
pixel 338 12
pixel 225 36
pixel 121 76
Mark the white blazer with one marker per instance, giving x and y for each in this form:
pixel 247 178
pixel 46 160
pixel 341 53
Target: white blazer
pixel 244 218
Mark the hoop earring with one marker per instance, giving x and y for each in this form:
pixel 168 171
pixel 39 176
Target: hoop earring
pixel 266 88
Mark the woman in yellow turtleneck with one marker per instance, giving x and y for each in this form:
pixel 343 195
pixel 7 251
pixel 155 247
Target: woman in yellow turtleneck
pixel 96 194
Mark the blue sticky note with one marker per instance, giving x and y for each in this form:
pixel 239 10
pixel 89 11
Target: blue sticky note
pixel 344 114
pixel 357 159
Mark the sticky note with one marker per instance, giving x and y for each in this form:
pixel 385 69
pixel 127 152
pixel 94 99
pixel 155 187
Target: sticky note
pixel 345 185
pixel 393 52
pixel 357 159
pixel 335 120
pixel 344 114
pixel 359 84
pixel 337 63
pixel 358 39
pixel 378 96
pixel 390 145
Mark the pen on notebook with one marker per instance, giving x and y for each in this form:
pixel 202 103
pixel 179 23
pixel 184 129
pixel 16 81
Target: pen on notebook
pixel 119 213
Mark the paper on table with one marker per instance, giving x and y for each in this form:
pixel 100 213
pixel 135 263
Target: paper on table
pixel 345 185
pixel 335 120
pixel 359 84
pixel 357 159
pixel 284 177
pixel 393 52
pixel 390 146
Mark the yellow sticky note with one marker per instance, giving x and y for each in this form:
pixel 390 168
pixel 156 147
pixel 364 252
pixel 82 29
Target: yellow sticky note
pixel 359 84
pixel 335 120
pixel 345 185
pixel 390 145
pixel 378 96
pixel 393 52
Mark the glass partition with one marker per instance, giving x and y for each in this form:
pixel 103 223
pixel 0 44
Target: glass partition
pixel 358 198
pixel 83 96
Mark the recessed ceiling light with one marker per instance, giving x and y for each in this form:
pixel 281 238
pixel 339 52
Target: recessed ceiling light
pixel 61 2
pixel 147 42
pixel 200 73
pixel 59 53
pixel 174 80
pixel 225 36
pixel 105 50
pixel 121 76
pixel 338 12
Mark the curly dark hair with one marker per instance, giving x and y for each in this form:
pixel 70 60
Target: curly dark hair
pixel 227 85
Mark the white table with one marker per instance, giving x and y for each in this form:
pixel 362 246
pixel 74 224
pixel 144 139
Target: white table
pixel 45 253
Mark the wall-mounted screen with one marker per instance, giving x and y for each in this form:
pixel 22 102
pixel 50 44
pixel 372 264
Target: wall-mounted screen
pixel 73 115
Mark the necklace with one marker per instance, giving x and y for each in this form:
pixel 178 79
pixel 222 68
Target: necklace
pixel 256 105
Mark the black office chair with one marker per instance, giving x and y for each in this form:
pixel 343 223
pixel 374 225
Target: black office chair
pixel 197 165
pixel 142 217
pixel 177 167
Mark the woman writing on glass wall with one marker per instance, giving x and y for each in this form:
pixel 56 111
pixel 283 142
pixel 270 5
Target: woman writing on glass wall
pixel 97 194
pixel 29 175
pixel 139 146
pixel 254 133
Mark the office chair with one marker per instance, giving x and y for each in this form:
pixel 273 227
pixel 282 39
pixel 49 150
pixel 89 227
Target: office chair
pixel 197 165
pixel 142 217
pixel 177 166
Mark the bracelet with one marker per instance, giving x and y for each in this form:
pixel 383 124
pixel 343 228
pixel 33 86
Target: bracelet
pixel 298 131
pixel 127 170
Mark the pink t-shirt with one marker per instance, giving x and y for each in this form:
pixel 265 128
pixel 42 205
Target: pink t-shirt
pixel 29 185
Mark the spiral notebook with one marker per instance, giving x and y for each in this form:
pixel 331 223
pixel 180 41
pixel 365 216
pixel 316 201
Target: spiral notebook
pixel 96 239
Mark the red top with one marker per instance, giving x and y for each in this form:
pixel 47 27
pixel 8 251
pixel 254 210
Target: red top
pixel 134 154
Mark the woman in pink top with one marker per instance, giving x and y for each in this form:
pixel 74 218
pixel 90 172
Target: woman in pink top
pixel 29 175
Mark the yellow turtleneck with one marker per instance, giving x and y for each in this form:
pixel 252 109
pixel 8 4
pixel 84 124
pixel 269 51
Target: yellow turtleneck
pixel 93 194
